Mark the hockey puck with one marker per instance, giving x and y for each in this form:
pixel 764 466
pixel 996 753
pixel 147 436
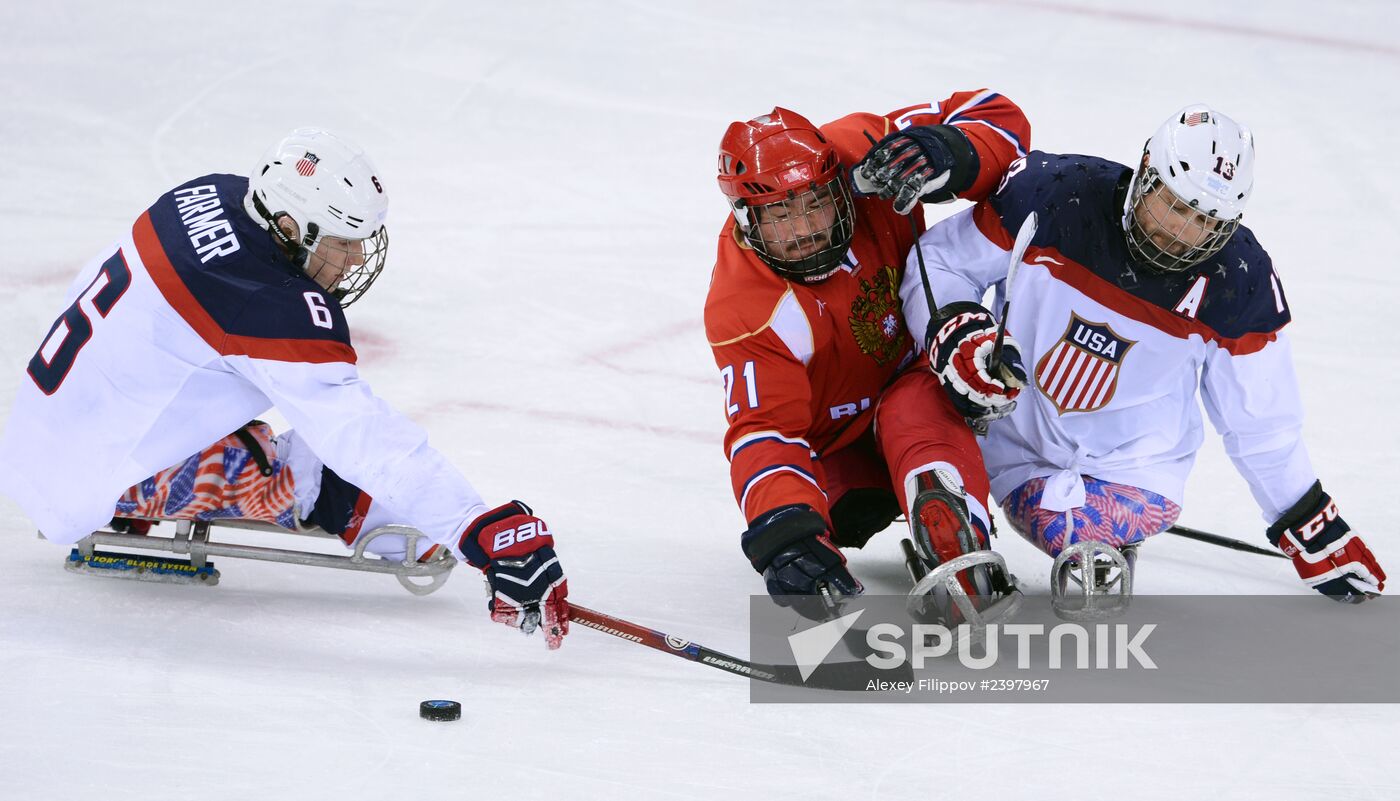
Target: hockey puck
pixel 440 710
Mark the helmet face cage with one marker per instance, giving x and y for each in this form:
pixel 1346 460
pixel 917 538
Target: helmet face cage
pixel 1164 232
pixel 361 259
pixel 803 236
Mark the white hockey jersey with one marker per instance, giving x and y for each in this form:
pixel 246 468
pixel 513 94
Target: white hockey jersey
pixel 1116 354
pixel 185 329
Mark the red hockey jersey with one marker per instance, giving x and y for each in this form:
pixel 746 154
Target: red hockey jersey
pixel 801 363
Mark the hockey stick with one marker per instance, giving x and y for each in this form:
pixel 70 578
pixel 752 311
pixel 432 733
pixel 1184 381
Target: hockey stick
pixel 923 271
pixel 1224 542
pixel 1018 251
pixel 852 676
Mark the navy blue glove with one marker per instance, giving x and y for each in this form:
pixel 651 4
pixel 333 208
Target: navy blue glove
pixel 961 339
pixel 789 546
pixel 932 163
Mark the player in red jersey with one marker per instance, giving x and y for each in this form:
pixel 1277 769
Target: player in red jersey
pixel 836 424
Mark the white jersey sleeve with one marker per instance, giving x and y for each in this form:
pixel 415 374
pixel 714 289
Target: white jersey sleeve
pixel 961 264
pixel 366 442
pixel 1253 402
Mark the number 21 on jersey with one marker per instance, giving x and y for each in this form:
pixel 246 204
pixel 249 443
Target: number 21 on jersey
pixel 730 407
pixel 72 330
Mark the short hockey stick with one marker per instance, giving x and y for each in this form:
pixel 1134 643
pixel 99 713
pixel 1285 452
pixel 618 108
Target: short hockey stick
pixel 851 672
pixel 1224 542
pixel 1018 252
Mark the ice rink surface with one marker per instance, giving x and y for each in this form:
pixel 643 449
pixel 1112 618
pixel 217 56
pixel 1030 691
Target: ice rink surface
pixel 553 221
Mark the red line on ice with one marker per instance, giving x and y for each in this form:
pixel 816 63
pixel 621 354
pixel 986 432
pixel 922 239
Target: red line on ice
pixel 672 432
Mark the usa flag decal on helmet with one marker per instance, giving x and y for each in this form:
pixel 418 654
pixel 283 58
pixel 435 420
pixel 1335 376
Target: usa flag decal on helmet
pixel 307 164
pixel 1080 372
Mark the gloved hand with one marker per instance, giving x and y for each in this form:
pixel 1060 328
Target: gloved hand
pixel 961 339
pixel 790 547
pixel 925 162
pixel 528 589
pixel 1327 554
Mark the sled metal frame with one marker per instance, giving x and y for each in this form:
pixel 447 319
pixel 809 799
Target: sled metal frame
pixel 1092 581
pixel 192 539
pixel 1002 608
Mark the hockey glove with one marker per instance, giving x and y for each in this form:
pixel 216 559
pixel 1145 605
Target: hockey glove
pixel 961 339
pixel 528 589
pixel 932 163
pixel 1328 555
pixel 789 546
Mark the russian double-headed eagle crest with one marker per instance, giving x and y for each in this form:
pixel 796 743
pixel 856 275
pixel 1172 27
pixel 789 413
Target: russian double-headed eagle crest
pixel 875 319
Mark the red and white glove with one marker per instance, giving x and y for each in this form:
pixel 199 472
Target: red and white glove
pixel 516 552
pixel 961 340
pixel 1327 554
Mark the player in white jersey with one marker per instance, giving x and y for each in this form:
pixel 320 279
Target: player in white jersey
pixel 1138 289
pixel 223 300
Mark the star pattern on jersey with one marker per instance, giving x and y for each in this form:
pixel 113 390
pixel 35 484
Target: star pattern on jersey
pixel 1128 279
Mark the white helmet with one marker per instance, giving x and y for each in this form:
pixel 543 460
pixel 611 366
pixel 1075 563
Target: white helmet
pixel 329 188
pixel 1205 160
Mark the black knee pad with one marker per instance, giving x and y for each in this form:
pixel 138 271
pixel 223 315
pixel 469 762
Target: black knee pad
pixel 335 506
pixel 860 514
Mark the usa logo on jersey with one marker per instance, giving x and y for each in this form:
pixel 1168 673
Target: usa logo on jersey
pixel 1080 372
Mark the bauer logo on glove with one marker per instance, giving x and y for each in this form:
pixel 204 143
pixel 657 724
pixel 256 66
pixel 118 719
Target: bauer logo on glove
pixel 527 584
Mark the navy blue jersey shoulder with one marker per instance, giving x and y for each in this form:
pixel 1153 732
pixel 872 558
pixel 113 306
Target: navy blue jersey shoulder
pixel 234 269
pixel 1079 204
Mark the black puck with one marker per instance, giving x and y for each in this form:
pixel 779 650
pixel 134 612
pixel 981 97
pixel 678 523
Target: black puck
pixel 440 710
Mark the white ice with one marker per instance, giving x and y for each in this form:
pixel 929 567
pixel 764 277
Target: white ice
pixel 553 219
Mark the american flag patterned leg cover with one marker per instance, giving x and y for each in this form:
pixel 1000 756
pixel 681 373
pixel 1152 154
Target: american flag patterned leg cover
pixel 1115 514
pixel 221 481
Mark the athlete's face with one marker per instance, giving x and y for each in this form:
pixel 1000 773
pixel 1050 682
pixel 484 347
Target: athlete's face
pixel 333 258
pixel 1174 227
pixel 799 226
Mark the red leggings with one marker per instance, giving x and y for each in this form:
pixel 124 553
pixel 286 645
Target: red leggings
pixel 916 428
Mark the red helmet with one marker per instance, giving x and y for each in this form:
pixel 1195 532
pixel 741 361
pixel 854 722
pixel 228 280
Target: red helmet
pixel 785 185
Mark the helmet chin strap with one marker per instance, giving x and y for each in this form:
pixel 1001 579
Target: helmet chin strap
pixel 295 250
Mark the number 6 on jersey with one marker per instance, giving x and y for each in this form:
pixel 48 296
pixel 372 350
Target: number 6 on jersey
pixel 55 357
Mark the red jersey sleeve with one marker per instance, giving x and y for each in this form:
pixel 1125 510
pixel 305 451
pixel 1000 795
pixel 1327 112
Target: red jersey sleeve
pixel 996 126
pixel 768 402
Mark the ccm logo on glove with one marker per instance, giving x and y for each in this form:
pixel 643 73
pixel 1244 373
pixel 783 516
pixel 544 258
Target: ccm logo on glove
pixel 954 323
pixel 1319 521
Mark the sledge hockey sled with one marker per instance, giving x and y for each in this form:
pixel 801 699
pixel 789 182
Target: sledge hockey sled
pixel 1092 581
pixel 938 593
pixel 192 538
